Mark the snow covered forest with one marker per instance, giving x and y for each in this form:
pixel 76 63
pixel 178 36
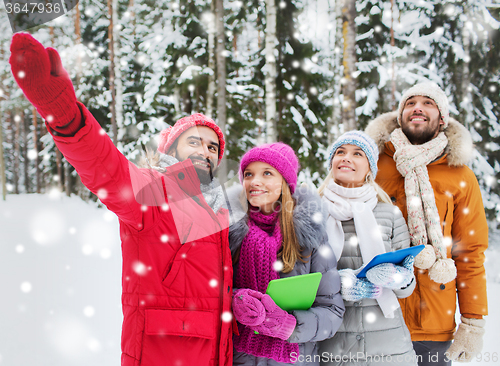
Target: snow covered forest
pixel 298 71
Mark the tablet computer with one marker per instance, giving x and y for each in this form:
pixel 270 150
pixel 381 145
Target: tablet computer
pixel 395 257
pixel 295 293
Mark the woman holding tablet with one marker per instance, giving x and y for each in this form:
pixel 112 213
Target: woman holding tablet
pixel 282 234
pixel 361 223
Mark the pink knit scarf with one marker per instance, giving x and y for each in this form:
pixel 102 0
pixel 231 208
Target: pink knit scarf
pixel 255 269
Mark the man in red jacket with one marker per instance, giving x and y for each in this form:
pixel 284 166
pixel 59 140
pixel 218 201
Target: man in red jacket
pixel 176 261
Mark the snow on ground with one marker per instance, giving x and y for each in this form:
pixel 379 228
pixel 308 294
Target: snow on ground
pixel 61 286
pixel 61 282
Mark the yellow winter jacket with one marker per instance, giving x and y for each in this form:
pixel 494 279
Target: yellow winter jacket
pixel 430 311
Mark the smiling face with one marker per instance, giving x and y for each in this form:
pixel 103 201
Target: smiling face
pixel 421 119
pixel 200 144
pixel 350 166
pixel 262 185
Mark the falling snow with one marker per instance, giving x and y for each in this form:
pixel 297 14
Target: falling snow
pixel 63 306
pixel 278 266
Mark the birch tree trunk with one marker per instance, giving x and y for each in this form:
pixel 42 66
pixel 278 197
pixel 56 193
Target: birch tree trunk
pixel 24 130
pixel 15 133
pixel 349 85
pixel 117 71
pixel 466 103
pixel 2 156
pixel 221 78
pixel 211 62
pixel 270 75
pixel 60 172
pixel 111 47
pixel 36 148
pixel 2 161
pixel 78 42
pixel 393 43
pixel 333 125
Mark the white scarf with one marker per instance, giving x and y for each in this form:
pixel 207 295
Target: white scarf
pixel 357 203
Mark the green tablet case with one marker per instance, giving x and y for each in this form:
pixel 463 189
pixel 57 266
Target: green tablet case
pixel 295 293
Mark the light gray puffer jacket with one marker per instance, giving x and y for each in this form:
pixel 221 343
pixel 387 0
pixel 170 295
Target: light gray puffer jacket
pixel 365 334
pixel 323 319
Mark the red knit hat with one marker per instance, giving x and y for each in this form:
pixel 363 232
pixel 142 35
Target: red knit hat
pixel 170 134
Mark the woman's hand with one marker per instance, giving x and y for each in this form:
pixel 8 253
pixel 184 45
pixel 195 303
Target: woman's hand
pixel 354 288
pixel 392 276
pixel 259 312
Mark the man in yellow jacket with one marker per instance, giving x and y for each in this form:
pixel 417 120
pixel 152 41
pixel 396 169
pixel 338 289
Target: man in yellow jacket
pixel 422 166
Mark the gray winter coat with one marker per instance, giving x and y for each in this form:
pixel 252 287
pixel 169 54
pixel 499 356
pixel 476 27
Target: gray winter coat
pixel 323 319
pixel 365 334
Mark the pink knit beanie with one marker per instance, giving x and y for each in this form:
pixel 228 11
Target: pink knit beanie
pixel 170 134
pixel 279 155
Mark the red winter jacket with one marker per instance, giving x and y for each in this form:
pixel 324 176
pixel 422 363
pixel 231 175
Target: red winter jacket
pixel 177 268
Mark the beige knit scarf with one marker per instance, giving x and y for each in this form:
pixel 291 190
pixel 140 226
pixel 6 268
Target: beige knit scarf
pixel 424 223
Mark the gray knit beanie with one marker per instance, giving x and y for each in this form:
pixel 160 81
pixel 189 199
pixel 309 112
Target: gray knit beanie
pixel 431 90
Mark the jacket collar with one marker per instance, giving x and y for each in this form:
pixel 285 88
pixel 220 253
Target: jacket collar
pixel 390 150
pixel 458 151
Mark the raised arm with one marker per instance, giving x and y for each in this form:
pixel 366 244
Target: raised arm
pixel 102 168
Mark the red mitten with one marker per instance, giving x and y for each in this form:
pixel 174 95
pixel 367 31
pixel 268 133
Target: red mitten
pixel 40 74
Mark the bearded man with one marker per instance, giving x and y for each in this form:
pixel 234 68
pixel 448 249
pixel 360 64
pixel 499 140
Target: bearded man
pixel 177 269
pixel 422 166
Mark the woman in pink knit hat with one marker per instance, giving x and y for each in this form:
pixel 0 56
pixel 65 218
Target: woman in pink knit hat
pixel 282 234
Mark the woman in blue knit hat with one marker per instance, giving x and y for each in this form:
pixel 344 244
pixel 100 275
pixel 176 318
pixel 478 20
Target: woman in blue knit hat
pixel 361 223
pixel 281 234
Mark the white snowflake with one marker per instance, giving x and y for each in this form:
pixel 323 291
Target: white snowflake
pixel 102 193
pixel 325 251
pixel 227 316
pixel 370 317
pixel 447 241
pixel 26 287
pixel 105 253
pixel 94 345
pixel 89 311
pixel 415 201
pixel 317 217
pixel 139 268
pixel 278 266
pixel 87 249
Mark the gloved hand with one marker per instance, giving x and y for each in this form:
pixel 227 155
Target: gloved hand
pixel 39 73
pixel 261 314
pixel 468 340
pixel 277 323
pixel 354 288
pixel 247 308
pixel 392 276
